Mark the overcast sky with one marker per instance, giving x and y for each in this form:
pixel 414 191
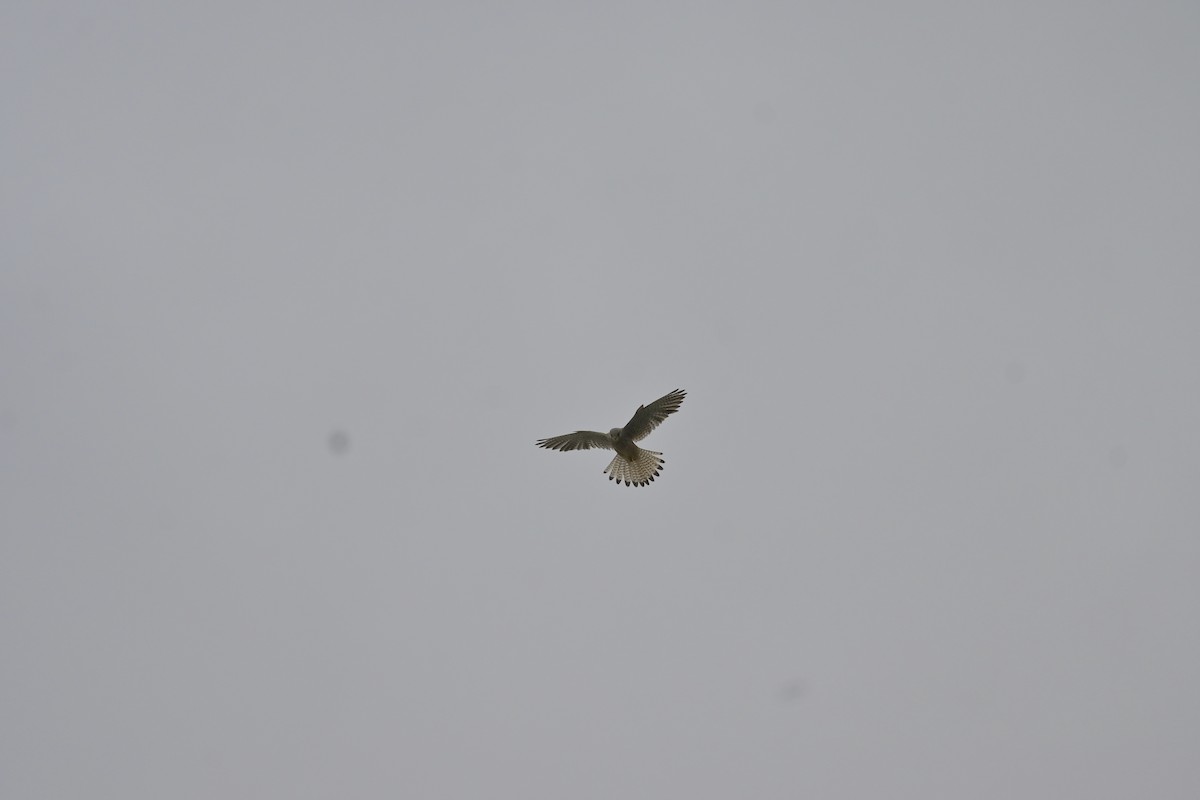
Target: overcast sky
pixel 288 292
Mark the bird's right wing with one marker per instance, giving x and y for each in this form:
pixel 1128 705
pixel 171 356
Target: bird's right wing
pixel 579 440
pixel 647 418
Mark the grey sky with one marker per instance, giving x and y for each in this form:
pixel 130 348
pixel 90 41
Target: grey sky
pixel 288 292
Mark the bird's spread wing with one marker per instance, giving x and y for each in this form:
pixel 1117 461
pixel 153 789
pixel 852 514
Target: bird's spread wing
pixel 579 440
pixel 647 418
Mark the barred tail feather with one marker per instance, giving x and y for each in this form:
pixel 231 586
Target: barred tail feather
pixel 644 468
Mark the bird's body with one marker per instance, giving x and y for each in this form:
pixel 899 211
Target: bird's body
pixel 632 465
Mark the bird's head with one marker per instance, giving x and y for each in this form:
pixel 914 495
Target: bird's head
pixel 615 433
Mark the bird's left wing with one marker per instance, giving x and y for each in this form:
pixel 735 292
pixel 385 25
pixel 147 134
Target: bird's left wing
pixel 647 418
pixel 579 440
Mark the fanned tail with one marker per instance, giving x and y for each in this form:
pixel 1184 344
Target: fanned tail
pixel 644 468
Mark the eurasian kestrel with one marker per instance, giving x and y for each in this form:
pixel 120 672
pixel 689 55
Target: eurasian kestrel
pixel 632 465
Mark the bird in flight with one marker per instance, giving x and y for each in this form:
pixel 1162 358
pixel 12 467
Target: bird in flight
pixel 632 465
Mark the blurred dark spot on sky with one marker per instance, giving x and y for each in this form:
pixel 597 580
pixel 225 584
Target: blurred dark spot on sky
pixel 792 691
pixel 339 443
